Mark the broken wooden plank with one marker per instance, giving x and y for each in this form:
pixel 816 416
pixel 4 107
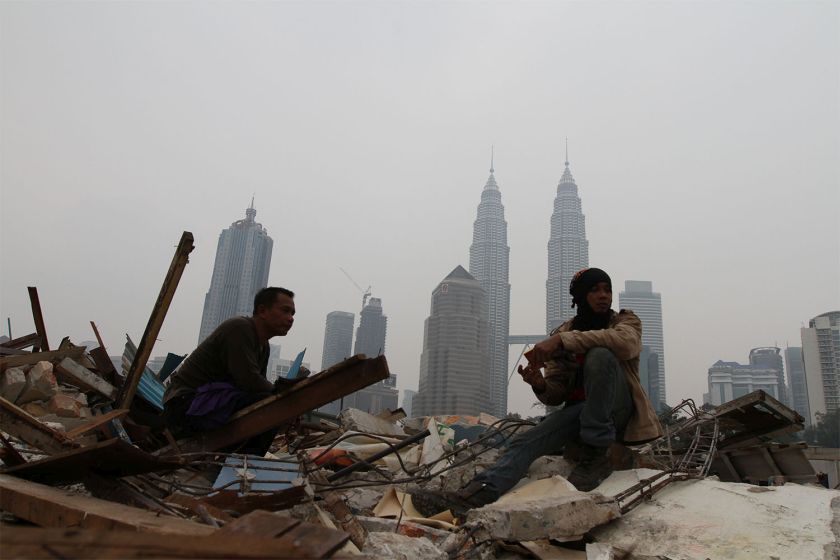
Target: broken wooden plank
pixel 167 291
pixel 96 423
pixel 195 505
pixel 10 455
pixel 230 500
pixel 114 457
pixel 98 336
pixel 36 542
pixel 74 353
pixel 38 318
pixel 17 422
pixel 52 507
pixel 342 379
pixel 22 341
pixel 260 523
pixel 81 377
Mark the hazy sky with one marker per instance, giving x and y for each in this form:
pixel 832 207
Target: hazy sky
pixel 704 138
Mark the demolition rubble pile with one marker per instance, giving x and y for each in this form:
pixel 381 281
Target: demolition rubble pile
pixel 90 472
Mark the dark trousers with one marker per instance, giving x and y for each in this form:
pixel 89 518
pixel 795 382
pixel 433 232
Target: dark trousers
pixel 175 416
pixel 595 421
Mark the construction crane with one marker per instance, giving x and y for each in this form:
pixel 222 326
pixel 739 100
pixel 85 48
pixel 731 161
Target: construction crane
pixel 365 293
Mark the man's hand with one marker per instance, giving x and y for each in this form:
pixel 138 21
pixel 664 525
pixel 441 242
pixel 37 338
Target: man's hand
pixel 533 377
pixel 544 351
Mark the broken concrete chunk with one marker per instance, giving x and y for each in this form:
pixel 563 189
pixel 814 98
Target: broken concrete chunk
pixel 549 465
pixel 40 384
pixel 400 547
pixel 36 408
pixel 62 404
pixel 564 517
pixel 363 500
pixel 81 377
pixel 600 551
pixel 356 420
pixel 407 528
pixel 12 384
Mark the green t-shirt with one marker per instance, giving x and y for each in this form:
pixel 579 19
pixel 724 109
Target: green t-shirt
pixel 231 353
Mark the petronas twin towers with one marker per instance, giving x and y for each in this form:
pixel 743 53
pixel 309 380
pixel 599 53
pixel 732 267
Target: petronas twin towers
pixel 568 252
pixel 464 364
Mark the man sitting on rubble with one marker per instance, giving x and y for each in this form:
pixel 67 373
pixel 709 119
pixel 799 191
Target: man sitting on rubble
pixel 227 372
pixel 592 366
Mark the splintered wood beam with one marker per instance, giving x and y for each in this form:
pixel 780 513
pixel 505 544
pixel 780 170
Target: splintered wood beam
pixel 305 540
pixel 98 336
pixel 96 423
pixel 342 379
pixel 167 291
pixel 17 422
pixel 53 507
pixel 38 317
pixel 22 341
pixel 75 353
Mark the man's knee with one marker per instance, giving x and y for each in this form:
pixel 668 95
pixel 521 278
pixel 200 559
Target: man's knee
pixel 600 360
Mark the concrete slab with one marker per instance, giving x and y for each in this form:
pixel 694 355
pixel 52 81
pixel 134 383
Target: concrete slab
pixel 564 517
pixel 699 519
pixel 400 547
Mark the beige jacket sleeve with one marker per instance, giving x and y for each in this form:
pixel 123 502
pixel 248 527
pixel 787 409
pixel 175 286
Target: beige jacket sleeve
pixel 624 338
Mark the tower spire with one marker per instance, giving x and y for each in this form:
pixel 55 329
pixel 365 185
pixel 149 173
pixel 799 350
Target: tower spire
pixel 251 213
pixel 492 150
pixel 567 151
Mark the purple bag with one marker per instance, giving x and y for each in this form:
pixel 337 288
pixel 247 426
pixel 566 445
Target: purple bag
pixel 212 406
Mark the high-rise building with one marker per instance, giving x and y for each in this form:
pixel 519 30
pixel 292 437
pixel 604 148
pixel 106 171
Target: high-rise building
pixel 649 376
pixel 638 296
pixel 338 338
pixel 821 354
pixel 408 402
pixel 771 357
pixel 370 341
pixel 798 394
pixel 370 336
pixel 730 380
pixel 243 257
pixel 454 374
pixel 489 264
pixel 568 250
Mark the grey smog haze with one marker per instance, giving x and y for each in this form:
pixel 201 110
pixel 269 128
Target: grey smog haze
pixel 704 138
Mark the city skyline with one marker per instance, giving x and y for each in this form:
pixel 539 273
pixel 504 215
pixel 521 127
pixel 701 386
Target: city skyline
pixel 699 168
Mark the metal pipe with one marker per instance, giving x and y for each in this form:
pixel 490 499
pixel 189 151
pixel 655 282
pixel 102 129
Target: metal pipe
pixel 394 448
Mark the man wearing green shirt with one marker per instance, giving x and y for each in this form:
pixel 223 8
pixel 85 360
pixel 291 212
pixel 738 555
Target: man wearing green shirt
pixel 227 372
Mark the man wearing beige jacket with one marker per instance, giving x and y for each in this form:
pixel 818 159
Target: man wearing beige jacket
pixel 591 365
